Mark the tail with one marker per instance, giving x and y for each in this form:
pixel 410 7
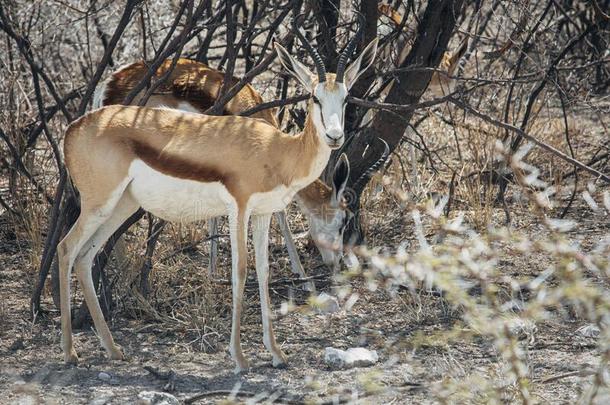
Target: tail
pixel 100 91
pixel 100 94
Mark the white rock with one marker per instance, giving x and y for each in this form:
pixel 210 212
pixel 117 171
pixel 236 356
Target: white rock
pixel 354 357
pixel 26 400
pixel 104 376
pixel 590 330
pixel 156 398
pixel 325 304
pixel 102 400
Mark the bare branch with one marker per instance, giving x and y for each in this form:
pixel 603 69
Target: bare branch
pixel 530 138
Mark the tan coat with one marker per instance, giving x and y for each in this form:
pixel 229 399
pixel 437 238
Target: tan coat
pixel 246 155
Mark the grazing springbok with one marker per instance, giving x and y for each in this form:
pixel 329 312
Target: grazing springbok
pixel 184 167
pixel 193 86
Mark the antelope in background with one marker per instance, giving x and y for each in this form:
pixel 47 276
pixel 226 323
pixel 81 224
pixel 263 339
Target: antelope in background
pixel 193 86
pixel 441 82
pixel 184 167
pixel 395 52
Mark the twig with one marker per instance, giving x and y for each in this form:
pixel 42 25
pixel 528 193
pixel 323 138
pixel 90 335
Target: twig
pixel 154 231
pixel 55 226
pixel 10 209
pixel 282 281
pixel 190 246
pixel 45 129
pixel 530 138
pixel 287 399
pixel 183 38
pixel 543 345
pixel 276 103
pixel 215 393
pixel 25 48
pixel 169 376
pixel 567 136
pixel 165 50
pixel 579 373
pixel 230 55
pixel 549 74
pixel 407 108
pixel 49 113
pixel 118 32
pixel 18 162
pixel 247 78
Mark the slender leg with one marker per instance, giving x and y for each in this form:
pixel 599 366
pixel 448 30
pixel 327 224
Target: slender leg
pixel 295 261
pixel 68 249
pixel 213 235
pixel 260 235
pixel 238 224
pixel 154 232
pixel 123 210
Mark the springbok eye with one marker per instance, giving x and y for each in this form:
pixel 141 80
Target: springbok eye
pixel 315 100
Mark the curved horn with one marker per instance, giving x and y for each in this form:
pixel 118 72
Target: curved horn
pixel 374 167
pixel 348 51
pixel 310 49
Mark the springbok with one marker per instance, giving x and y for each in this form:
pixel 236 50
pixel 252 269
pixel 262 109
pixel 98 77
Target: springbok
pixel 393 54
pixel 193 86
pixel 442 81
pixel 184 167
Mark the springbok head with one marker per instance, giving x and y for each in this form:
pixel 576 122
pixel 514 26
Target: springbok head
pixel 329 217
pixel 327 224
pixel 328 91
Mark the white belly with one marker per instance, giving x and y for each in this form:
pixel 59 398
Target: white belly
pixel 271 201
pixel 177 200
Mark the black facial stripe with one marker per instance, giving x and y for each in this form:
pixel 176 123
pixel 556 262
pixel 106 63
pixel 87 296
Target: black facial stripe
pixel 322 118
pixel 317 101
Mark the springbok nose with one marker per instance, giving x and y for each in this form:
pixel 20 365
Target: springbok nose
pixel 334 134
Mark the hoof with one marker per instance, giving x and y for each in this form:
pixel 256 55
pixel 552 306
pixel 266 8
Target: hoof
pixel 280 361
pixel 280 365
pixel 116 353
pixel 243 369
pixel 241 364
pixel 71 357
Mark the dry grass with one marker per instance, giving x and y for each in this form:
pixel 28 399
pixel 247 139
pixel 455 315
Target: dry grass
pixel 456 283
pixel 470 309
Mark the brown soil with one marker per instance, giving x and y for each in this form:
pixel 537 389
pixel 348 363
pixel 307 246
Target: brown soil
pixel 32 370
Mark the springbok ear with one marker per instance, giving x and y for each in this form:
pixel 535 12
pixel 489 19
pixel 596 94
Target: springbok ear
pixel 340 177
pixel 295 68
pixel 357 67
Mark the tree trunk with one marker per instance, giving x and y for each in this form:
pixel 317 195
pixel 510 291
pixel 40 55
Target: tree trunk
pixel 370 12
pixel 433 34
pixel 327 14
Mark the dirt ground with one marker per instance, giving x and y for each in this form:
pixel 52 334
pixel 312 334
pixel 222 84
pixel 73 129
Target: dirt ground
pixel 188 357
pixel 32 370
